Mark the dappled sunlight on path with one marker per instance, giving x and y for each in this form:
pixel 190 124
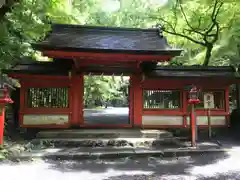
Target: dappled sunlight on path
pixel 43 170
pixel 214 166
pixel 226 166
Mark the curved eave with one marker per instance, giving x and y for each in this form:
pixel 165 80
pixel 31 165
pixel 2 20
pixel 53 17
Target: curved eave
pixel 57 26
pixel 169 52
pixel 13 73
pixel 210 78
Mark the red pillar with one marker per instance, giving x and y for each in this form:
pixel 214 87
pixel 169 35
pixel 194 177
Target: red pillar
pixel 137 100
pixel 130 94
pixel 184 109
pixel 22 102
pixel 4 100
pixel 77 99
pixel 193 125
pixel 226 96
pixel 2 119
pixel 227 106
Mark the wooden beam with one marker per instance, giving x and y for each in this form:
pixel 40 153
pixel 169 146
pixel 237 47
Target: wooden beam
pixel 107 56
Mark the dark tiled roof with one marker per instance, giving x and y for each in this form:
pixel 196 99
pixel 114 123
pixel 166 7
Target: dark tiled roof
pixel 106 39
pixel 193 72
pixel 62 67
pixel 40 68
pixel 58 68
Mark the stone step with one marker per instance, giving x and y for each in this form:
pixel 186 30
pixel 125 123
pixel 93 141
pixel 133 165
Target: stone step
pixel 105 133
pixel 89 153
pixel 105 142
pixel 113 153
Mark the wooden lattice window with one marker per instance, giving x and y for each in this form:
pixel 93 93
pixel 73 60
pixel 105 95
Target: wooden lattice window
pixel 161 99
pixel 219 99
pixel 47 97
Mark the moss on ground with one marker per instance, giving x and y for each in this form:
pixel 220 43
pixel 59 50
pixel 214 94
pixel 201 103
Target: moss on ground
pixel 3 153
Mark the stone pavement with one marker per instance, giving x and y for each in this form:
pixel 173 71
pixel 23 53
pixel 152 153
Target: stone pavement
pixel 119 152
pixel 103 138
pixel 104 133
pixel 116 143
pixel 200 167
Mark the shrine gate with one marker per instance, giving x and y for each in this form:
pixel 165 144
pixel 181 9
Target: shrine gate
pixel 157 94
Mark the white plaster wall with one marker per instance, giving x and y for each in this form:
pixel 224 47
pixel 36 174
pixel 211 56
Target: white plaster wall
pixel 215 120
pixel 162 120
pixel 44 119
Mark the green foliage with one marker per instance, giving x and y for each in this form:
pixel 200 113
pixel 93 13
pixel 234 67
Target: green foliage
pixel 3 153
pixel 184 23
pixel 197 24
pixel 28 21
pixel 100 89
pixel 188 25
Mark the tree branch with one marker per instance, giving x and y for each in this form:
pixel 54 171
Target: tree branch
pixel 174 32
pixel 187 22
pixel 214 15
pixel 208 35
pixel 217 33
pixel 185 36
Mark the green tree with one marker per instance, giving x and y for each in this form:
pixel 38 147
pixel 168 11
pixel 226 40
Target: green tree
pixel 196 21
pixel 208 31
pixel 99 89
pixel 27 21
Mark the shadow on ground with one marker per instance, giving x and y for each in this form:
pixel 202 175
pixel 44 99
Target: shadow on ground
pixel 142 168
pixel 207 166
pixel 200 167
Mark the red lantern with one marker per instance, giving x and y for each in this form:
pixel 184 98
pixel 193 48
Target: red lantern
pixel 4 95
pixel 193 96
pixel 4 99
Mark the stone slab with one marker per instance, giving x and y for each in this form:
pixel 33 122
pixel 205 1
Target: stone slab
pixel 101 133
pixel 129 139
pixel 148 152
pixel 107 142
pixel 110 149
pixel 191 152
pixel 111 153
pixel 202 144
pixel 93 153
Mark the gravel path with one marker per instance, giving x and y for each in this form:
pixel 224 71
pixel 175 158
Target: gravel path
pixel 201 167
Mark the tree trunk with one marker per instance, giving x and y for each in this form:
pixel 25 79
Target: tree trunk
pixel 6 7
pixel 208 55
